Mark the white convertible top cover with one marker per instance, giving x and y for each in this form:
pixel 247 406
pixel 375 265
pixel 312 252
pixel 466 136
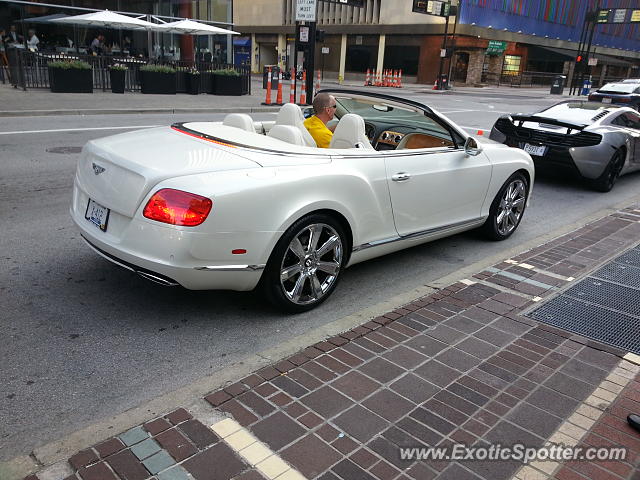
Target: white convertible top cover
pixel 256 140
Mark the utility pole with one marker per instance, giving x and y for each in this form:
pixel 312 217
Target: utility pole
pixel 455 11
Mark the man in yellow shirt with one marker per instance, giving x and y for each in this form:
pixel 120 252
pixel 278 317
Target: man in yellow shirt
pixel 324 107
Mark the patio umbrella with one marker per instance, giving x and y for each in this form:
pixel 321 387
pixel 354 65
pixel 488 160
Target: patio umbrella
pixel 45 19
pixel 191 27
pixel 107 19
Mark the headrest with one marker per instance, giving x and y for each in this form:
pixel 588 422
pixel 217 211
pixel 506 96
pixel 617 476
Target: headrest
pixel 239 120
pixel 287 133
pixel 291 114
pixel 350 133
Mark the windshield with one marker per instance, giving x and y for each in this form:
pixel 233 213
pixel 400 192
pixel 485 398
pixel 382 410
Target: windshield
pixel 619 88
pixel 383 115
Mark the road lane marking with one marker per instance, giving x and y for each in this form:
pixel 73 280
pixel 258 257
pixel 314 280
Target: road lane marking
pixel 19 132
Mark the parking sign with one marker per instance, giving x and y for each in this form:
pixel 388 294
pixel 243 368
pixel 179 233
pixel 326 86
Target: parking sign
pixel 305 10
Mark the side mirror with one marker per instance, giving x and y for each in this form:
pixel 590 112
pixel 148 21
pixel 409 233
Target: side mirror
pixel 471 147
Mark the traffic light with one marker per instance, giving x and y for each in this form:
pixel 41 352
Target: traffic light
pixel 579 59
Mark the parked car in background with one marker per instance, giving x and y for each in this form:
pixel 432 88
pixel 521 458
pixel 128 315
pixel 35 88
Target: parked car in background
pixel 598 142
pixel 623 93
pixel 631 80
pixel 239 204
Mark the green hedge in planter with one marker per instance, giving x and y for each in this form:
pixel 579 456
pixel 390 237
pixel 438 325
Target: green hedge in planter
pixel 70 77
pixel 159 79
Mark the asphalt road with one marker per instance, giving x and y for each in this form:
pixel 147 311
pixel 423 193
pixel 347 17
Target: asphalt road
pixel 84 339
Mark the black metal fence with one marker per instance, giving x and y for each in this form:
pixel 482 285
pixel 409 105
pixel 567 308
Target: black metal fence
pixel 31 70
pixel 522 79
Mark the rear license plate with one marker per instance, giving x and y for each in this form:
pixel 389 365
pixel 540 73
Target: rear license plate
pixel 606 100
pixel 538 150
pixel 97 214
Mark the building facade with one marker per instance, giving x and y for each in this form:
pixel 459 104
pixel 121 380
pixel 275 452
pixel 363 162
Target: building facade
pixel 534 38
pixel 36 16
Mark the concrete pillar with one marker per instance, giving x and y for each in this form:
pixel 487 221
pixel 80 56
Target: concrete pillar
pixel 255 55
pixel 282 51
pixel 343 58
pixel 381 45
pixel 603 73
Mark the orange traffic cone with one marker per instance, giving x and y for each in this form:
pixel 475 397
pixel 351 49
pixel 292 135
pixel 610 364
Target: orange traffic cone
pixel 395 79
pixel 367 80
pixel 385 79
pixel 435 84
pixel 303 93
pixel 377 80
pixel 292 92
pixel 267 100
pixel 279 94
pixel 400 79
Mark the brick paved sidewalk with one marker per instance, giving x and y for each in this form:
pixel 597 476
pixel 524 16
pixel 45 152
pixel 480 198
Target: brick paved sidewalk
pixel 461 366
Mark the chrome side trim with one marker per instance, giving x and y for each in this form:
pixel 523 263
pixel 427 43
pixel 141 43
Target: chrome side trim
pixel 231 268
pixel 421 233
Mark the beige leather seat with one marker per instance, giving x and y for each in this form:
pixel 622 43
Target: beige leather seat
pixel 290 114
pixel 239 120
pixel 287 133
pixel 350 133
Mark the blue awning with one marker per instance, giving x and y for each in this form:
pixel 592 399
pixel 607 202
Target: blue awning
pixel 242 41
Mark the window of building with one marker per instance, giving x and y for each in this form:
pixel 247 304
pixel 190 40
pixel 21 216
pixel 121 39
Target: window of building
pixel 511 65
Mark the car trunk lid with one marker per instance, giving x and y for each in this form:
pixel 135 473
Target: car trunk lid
pixel 119 171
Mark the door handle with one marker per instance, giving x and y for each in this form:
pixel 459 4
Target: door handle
pixel 401 177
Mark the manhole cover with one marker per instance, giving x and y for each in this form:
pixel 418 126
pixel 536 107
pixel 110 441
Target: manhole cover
pixel 64 150
pixel 604 306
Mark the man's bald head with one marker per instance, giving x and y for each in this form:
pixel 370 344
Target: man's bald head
pixel 321 102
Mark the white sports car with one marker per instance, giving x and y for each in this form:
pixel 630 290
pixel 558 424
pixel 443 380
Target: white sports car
pixel 239 204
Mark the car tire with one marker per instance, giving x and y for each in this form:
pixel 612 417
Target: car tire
pixel 507 208
pixel 306 264
pixel 605 182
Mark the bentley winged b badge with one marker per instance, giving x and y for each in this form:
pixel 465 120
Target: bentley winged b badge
pixel 97 169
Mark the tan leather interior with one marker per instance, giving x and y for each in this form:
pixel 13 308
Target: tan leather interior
pixel 421 140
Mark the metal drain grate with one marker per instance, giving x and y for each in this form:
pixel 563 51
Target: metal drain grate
pixel 606 294
pixel 591 321
pixel 632 257
pixel 604 307
pixel 620 273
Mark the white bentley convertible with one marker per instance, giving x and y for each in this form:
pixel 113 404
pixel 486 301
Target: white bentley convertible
pixel 239 204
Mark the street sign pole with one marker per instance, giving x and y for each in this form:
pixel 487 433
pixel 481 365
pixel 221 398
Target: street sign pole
pixel 306 39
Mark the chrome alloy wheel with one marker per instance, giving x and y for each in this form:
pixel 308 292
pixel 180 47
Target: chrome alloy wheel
pixel 511 207
pixel 311 263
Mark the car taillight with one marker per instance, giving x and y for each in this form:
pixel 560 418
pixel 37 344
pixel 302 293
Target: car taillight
pixel 177 207
pixel 591 97
pixel 624 100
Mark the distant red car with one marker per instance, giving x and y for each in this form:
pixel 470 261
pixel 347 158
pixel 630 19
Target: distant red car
pixel 623 93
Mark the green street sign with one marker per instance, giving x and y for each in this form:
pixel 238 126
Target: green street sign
pixel 496 47
pixel 603 16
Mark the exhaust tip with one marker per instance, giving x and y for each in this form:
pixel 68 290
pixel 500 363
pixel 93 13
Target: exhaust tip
pixel 156 279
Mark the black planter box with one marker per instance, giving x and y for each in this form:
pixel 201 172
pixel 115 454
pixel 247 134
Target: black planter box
pixel 193 84
pixel 71 80
pixel 228 85
pixel 117 80
pixel 156 82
